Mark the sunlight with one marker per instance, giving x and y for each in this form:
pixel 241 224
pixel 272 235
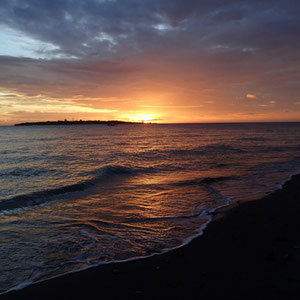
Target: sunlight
pixel 145 118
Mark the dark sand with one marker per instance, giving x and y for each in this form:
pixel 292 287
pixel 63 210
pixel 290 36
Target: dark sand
pixel 250 251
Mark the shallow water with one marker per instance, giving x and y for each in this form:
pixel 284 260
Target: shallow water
pixel 77 196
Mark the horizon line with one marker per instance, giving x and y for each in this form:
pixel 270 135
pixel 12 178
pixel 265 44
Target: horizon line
pixel 154 123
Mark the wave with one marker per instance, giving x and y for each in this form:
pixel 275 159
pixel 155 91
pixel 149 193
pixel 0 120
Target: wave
pixel 283 148
pixel 25 172
pixel 40 197
pixel 227 165
pixel 116 170
pixel 201 150
pixel 166 218
pixel 213 149
pixel 5 152
pixel 201 181
pixel 274 149
pixel 221 148
pixel 291 165
pixel 253 139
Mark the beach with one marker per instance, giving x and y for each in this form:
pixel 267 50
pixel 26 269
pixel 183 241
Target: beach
pixel 149 149
pixel 251 250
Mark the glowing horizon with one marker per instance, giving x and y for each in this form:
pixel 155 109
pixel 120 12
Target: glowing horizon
pixel 177 62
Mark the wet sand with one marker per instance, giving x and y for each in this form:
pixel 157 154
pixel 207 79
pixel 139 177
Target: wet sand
pixel 251 250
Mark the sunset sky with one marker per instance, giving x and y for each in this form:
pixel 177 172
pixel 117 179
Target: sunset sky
pixel 160 60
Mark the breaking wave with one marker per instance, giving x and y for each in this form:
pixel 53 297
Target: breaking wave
pixel 43 196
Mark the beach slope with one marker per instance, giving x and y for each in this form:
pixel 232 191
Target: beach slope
pixel 251 250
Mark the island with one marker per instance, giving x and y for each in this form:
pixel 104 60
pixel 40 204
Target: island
pixel 80 122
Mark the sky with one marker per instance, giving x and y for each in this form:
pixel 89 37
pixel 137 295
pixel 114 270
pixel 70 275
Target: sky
pixel 168 61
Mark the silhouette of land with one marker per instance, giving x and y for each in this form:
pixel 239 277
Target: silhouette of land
pixel 66 122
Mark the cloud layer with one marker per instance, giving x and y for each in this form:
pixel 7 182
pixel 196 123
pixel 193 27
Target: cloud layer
pixel 128 55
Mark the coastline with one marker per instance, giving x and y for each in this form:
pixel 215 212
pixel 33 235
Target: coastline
pixel 66 122
pixel 250 250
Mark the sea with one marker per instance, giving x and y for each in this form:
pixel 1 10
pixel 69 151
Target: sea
pixel 78 196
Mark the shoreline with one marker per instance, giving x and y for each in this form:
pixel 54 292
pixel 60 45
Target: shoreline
pixel 250 250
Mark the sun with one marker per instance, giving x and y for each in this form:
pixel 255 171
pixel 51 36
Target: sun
pixel 144 118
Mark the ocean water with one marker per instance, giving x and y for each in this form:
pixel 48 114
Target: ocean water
pixel 73 197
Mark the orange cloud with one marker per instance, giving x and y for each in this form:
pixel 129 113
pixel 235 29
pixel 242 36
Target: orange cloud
pixel 251 96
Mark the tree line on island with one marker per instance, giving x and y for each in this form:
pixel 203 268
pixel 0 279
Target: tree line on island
pixel 80 122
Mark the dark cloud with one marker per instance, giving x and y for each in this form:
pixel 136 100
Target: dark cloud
pixel 238 45
pixel 117 28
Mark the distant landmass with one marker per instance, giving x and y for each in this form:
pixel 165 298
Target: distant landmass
pixel 66 122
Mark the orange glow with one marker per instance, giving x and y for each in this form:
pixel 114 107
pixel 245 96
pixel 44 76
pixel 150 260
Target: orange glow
pixel 145 118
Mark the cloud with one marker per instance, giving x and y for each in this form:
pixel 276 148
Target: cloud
pixel 251 96
pixel 117 28
pixel 167 51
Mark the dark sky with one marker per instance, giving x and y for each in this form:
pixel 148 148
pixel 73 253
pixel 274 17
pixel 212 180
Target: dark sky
pixel 170 60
